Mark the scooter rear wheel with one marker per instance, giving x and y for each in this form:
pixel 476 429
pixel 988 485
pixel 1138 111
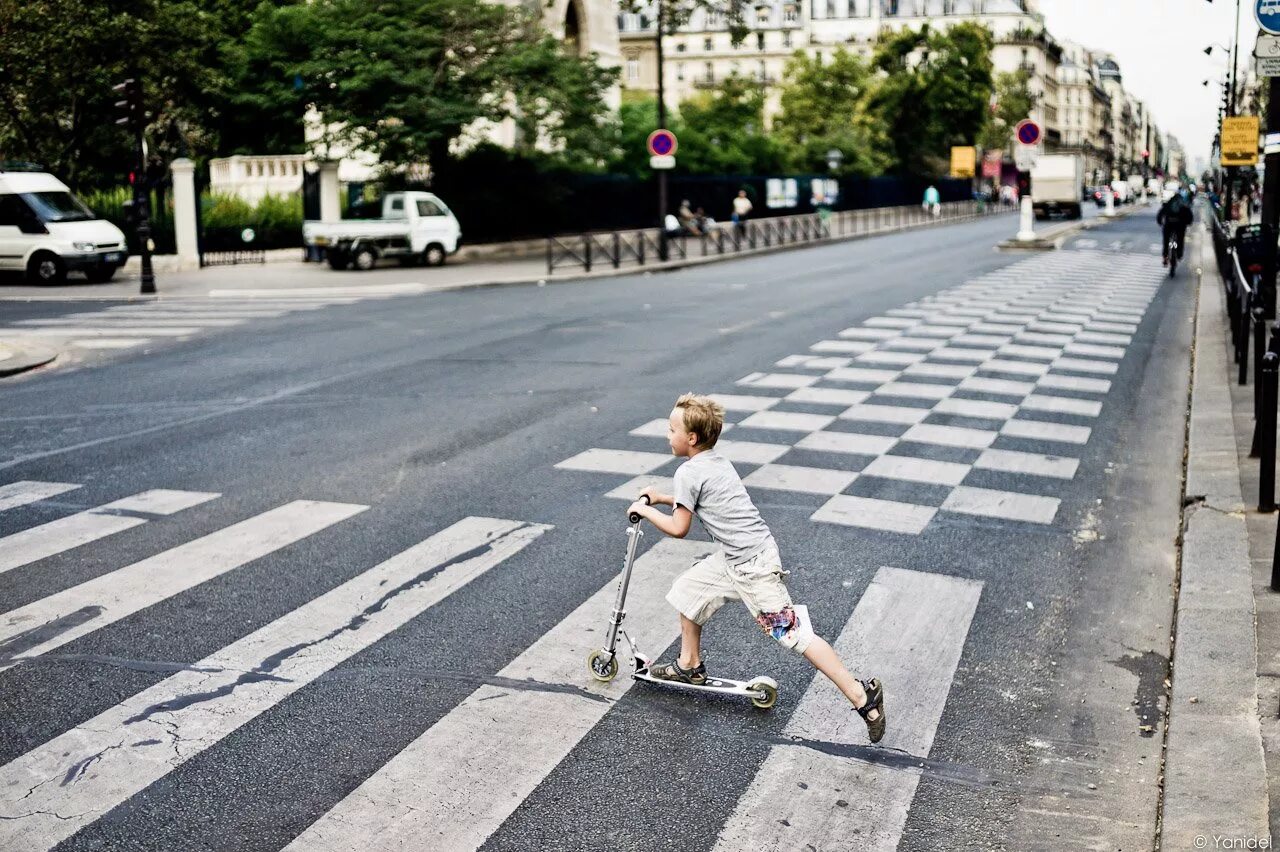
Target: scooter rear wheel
pixel 602 665
pixel 770 694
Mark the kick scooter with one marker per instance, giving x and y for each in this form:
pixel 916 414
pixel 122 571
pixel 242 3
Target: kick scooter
pixel 603 662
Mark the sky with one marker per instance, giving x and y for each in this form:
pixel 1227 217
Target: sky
pixel 1159 45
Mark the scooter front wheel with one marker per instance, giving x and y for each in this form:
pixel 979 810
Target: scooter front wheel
pixel 602 665
pixel 769 691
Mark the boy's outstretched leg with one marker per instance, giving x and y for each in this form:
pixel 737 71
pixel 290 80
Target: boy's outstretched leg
pixel 869 704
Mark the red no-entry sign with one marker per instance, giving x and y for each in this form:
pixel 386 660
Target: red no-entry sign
pixel 662 143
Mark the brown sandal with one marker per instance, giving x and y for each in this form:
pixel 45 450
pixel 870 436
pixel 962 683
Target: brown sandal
pixel 875 701
pixel 672 671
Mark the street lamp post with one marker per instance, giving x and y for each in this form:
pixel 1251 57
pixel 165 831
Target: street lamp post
pixel 662 125
pixel 1231 100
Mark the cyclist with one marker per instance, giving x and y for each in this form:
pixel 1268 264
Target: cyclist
pixel 1175 216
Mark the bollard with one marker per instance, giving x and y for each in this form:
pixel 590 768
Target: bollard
pixel 1026 219
pixel 1270 377
pixel 1244 347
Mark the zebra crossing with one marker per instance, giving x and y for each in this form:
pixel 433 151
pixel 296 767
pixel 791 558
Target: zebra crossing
pixel 463 776
pixel 125 326
pixel 974 402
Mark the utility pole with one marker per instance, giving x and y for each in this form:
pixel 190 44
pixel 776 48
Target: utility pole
pixel 133 117
pixel 1231 106
pixel 1271 202
pixel 662 125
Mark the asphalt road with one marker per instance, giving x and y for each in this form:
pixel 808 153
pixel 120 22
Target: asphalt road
pixel 1023 637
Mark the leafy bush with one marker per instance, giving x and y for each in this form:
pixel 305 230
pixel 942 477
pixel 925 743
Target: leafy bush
pixel 276 220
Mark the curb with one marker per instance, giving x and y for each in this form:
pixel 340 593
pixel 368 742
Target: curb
pixel 1054 241
pixel 18 358
pixel 1215 782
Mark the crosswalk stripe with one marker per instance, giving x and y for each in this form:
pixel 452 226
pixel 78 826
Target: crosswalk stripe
pixel 17 494
pixel 29 545
pixel 908 629
pixel 110 342
pixel 503 739
pixel 362 292
pixel 126 323
pixel 58 619
pixel 124 749
pixel 101 331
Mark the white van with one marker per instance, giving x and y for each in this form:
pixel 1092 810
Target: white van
pixel 416 227
pixel 46 232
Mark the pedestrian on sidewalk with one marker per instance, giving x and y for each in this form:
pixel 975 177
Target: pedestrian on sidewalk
pixel 741 211
pixel 688 220
pixel 932 201
pixel 745 565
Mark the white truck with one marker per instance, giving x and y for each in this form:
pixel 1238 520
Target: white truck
pixel 46 232
pixel 416 227
pixel 1056 181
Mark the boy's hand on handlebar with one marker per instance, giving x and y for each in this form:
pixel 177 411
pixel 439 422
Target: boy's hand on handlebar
pixel 640 508
pixel 654 495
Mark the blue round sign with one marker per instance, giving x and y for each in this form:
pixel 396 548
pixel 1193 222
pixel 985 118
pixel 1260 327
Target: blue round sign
pixel 1268 14
pixel 662 143
pixel 1028 132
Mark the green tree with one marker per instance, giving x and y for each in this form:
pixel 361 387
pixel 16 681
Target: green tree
pixel 824 107
pixel 60 58
pixel 723 131
pixel 404 78
pixel 1013 102
pixel 933 92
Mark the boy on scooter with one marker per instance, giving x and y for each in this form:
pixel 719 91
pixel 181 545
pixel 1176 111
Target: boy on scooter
pixel 746 566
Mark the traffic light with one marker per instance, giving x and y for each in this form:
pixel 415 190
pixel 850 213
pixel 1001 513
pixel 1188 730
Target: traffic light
pixel 129 111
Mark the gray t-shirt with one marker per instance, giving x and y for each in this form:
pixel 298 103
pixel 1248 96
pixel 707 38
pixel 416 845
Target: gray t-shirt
pixel 708 486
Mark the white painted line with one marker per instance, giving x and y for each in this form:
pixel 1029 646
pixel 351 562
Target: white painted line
pixel 976 408
pixel 787 420
pixel 1053 327
pixel 915 344
pixel 1018 368
pixel 104 761
pixel 1069 319
pixel 941 371
pixel 1007 505
pixel 1001 330
pixel 939 331
pixel 653 429
pixel 846 442
pixel 885 413
pixel 27 491
pixel 862 374
pixel 361 291
pixel 949 436
pixel 1038 353
pixel 891 322
pixel 1094 351
pixel 917 470
pixel 857 333
pixel 1104 337
pixel 418 800
pixel 883 357
pixel 1062 405
pixel 215 312
pixel 952 353
pixel 1037 430
pixel 630 490
pixel 733 402
pixel 807 480
pixel 110 342
pixel 103 331
pixel 813 362
pixel 124 324
pixel 1034 464
pixel 777 380
pixel 58 619
pixel 916 390
pixel 1002 387
pixel 615 461
pixel 982 339
pixel 909 630
pixel 30 545
pixel 827 396
pixel 1049 339
pixel 750 452
pixel 1084 365
pixel 869 513
pixel 843 346
pixel 1074 383
pixel 1118 327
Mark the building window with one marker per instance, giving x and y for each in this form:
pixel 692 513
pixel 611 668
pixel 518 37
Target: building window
pixel 762 14
pixel 790 13
pixel 831 8
pixel 710 73
pixel 633 69
pixel 680 71
pixel 706 44
pixel 786 38
pixel 680 48
pixel 760 41
pixel 764 71
pixel 713 20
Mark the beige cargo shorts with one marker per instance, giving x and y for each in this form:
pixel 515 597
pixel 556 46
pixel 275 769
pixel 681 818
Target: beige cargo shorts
pixel 712 582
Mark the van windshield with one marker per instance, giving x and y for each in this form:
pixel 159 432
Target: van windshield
pixel 57 207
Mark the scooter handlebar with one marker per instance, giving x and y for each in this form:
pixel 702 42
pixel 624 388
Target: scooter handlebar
pixel 635 517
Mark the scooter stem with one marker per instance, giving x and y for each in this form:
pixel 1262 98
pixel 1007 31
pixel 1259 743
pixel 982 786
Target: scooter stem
pixel 615 619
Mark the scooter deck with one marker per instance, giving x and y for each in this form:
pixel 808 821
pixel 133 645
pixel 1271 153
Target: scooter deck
pixel 722 685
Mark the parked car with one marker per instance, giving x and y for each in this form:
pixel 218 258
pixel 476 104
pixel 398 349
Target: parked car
pixel 1099 195
pixel 416 227
pixel 46 232
pixel 1123 194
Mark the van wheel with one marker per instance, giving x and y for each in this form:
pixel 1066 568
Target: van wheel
pixel 46 268
pixel 434 255
pixel 365 259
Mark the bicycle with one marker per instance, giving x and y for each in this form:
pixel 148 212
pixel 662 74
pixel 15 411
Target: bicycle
pixel 1172 248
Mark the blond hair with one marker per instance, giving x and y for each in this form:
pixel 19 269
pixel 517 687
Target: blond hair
pixel 703 416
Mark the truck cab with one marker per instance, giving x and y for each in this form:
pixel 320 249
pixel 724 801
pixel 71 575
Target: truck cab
pixel 416 227
pixel 46 232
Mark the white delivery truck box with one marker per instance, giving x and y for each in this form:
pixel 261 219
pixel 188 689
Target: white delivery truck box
pixel 1056 181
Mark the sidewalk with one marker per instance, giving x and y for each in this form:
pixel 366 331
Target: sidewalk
pixel 1216 772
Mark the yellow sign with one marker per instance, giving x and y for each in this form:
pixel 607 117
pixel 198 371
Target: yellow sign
pixel 1240 141
pixel 964 160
